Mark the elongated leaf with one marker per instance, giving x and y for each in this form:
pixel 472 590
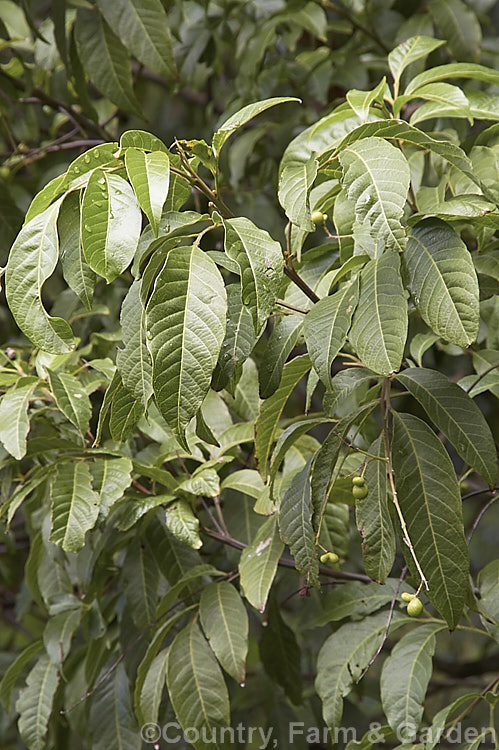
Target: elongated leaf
pixel 14 670
pixel 150 178
pixel 457 416
pixel 141 579
pixel 80 170
pixel 405 677
pixel 280 654
pixel 258 564
pixel 238 342
pixel 342 659
pixel 373 519
pixel 272 408
pixel 105 60
pixel 152 688
pixel 111 716
pixel 225 623
pixel 326 327
pixel 183 524
pixel 71 398
pixel 125 410
pixel 295 182
pixel 379 326
pixel 430 501
pixel 111 477
pixel 286 439
pixel 111 223
pixel 355 599
pixel 409 51
pixel 459 25
pixel 35 703
pixel 76 271
pixel 32 261
pixel 14 422
pixel 134 360
pixel 186 317
pixel 58 633
pixel 443 281
pixel 295 524
pixel 454 70
pixel 260 261
pixel 196 685
pixel 142 25
pixel 280 344
pixel 246 481
pixel 75 506
pixel 360 101
pixel 241 117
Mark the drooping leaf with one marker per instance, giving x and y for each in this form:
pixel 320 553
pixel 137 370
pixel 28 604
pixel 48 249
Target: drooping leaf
pixel 354 599
pixel 453 70
pixel 76 271
pixel 373 519
pixel 225 623
pixel 279 346
pixel 150 178
pixel 186 318
pixel 14 421
pixel 405 677
pixel 258 563
pixel 376 177
pixel 238 342
pixel 15 669
pixel 430 502
pixel 126 410
pixel 360 101
pixel 134 360
pixel 32 261
pixel 379 326
pixel 75 506
pixel 326 327
pixel 280 654
pixel 443 281
pixel 111 477
pixel 295 181
pixel 457 416
pixel 183 524
pixel 71 398
pixel 35 703
pixel 111 223
pixel 142 25
pixel 196 686
pixel 140 583
pixel 111 716
pixel 58 633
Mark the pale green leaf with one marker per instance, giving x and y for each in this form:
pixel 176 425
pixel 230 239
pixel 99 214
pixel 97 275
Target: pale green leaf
pixel 76 271
pixel 111 477
pixel 246 481
pixel 81 169
pixel 443 281
pixel 141 139
pixel 295 181
pixel 409 51
pixel 295 525
pixel 183 524
pixel 280 344
pixel 111 224
pixel 360 101
pixel 419 344
pixel 204 481
pixel 430 501
pixel 32 261
pixel 58 633
pixel 12 673
pixel 286 439
pixel 225 623
pixel 186 318
pixel 379 326
pixel 258 564
pixel 14 421
pixel 75 506
pixel 71 398
pixel 35 703
pixel 150 178
pixel 326 327
pixel 454 70
pixel 134 360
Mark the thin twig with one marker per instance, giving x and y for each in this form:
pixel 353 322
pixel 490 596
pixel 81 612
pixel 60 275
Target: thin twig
pixel 479 517
pixel 483 374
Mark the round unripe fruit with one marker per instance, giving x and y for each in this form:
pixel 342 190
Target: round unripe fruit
pixel 358 481
pixel 324 558
pixel 4 173
pixel 329 558
pixel 406 597
pixel 360 493
pixel 318 218
pixel 415 607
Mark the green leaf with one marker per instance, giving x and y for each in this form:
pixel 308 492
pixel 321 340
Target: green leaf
pixel 77 273
pixel 238 342
pixel 374 523
pixel 105 59
pixel 287 438
pixel 81 169
pixel 354 599
pixel 75 506
pixel 71 398
pixel 13 672
pixel 459 25
pixel 457 416
pixel 242 116
pixel 35 703
pixel 32 261
pixel 14 422
pixel 341 660
pixel 260 261
pixel 295 181
pixel 225 623
pixel 430 501
pixel 326 327
pixel 295 525
pixel 420 343
pixel 183 524
pixel 140 583
pixel 409 51
pixel 379 326
pixel 280 344
pixel 111 716
pixel 258 564
pixel 196 686
pixel 134 360
pixel 272 408
pixel 142 25
pixel 58 633
pixel 111 477
pixel 442 98
pixel 246 481
pixel 405 677
pixel 360 101
pixel 141 139
pixel 443 281
pixel 376 176
pixel 111 224
pixel 186 318
pixel 281 657
pixel 125 410
pixel 453 70
pixel 150 178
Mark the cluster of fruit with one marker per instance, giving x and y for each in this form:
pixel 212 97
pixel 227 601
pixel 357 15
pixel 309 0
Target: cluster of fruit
pixel 359 488
pixel 414 605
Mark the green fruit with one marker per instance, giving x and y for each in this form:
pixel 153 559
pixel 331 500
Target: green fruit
pixel 318 218
pixel 358 481
pixel 329 558
pixel 360 493
pixel 464 486
pixel 406 597
pixel 324 558
pixel 4 173
pixel 415 607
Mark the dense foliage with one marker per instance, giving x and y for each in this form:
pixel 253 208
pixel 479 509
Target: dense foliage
pixel 250 368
